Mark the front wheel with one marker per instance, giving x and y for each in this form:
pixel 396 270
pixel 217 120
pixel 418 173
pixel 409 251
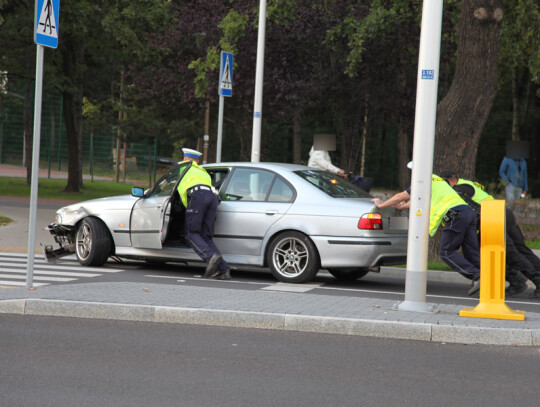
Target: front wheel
pixel 293 258
pixel 93 242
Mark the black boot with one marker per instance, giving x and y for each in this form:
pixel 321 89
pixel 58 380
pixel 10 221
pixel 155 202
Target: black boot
pixel 536 293
pixel 518 283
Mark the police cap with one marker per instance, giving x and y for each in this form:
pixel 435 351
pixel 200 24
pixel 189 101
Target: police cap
pixel 188 152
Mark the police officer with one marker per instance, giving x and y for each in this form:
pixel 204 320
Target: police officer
pixel 201 202
pixel 459 227
pixel 518 256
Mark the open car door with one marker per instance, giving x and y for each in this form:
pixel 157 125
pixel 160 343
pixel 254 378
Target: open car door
pixel 150 214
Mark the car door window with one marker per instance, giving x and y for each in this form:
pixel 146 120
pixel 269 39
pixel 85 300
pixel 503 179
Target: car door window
pixel 248 184
pixel 281 191
pixel 217 176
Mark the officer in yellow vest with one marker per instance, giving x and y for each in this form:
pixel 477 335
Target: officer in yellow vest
pixel 518 256
pixel 201 202
pixel 459 227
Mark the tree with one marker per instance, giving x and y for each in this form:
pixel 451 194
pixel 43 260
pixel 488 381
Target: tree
pixel 520 56
pixel 462 113
pixel 18 61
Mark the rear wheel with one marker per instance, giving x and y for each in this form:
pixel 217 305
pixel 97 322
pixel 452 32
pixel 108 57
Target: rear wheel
pixel 349 274
pixel 293 258
pixel 93 242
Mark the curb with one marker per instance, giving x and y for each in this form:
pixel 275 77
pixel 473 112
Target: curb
pixel 285 322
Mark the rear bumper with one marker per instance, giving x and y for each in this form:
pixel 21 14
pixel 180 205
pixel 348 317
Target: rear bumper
pixel 361 252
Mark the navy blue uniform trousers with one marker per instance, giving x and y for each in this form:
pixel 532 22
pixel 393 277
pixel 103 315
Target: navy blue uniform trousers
pixel 199 228
pixel 519 257
pixel 461 232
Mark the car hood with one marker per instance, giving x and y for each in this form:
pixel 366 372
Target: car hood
pixel 109 203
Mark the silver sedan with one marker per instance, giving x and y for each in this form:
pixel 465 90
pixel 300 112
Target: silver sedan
pixel 295 220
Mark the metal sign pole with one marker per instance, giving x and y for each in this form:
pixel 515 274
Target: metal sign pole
pixel 224 89
pixel 424 140
pixel 220 129
pixel 259 75
pixel 35 166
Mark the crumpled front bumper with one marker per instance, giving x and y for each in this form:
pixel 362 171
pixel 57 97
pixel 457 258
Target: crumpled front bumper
pixel 63 235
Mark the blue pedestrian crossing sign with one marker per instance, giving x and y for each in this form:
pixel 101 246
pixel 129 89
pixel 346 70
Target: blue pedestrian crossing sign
pixel 46 23
pixel 225 74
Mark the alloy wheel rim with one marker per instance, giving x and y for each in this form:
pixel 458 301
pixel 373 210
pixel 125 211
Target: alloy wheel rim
pixel 291 257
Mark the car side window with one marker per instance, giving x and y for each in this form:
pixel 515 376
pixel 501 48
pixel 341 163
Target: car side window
pixel 281 192
pixel 218 176
pixel 248 184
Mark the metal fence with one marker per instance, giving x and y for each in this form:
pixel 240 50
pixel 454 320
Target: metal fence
pixel 138 160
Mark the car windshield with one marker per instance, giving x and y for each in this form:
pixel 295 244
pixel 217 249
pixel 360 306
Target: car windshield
pixel 333 185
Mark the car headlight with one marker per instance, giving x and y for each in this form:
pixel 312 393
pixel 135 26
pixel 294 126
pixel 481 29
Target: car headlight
pixel 67 216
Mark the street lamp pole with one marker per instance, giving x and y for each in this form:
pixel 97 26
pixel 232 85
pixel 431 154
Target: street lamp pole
pixel 259 75
pixel 423 146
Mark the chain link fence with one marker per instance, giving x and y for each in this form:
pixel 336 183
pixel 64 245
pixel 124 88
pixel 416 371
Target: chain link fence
pixel 144 160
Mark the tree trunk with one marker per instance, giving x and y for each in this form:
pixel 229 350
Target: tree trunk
pixel 297 137
pixel 74 147
pixel 515 105
pixel 463 112
pixel 73 57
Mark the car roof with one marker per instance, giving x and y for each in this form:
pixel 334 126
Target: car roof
pixel 266 165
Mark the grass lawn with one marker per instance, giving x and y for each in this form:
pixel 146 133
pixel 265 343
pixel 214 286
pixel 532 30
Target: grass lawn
pixel 54 189
pixel 4 221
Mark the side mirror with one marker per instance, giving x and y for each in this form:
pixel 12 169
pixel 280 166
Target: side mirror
pixel 137 192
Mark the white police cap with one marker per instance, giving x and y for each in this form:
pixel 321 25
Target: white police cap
pixel 188 152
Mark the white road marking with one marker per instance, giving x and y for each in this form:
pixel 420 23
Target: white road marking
pixel 49 266
pixel 19 284
pixel 293 288
pixel 21 277
pixel 50 273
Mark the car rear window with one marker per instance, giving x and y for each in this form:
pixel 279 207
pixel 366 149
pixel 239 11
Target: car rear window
pixel 333 185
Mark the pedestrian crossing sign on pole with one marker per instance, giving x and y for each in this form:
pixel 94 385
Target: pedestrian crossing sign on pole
pixel 46 23
pixel 226 74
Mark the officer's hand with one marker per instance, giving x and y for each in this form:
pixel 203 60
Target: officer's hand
pixel 377 202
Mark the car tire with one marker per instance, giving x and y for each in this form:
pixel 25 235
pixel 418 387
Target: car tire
pixel 92 242
pixel 349 274
pixel 293 258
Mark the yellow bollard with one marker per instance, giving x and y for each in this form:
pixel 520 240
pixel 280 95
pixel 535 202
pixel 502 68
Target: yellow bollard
pixel 492 266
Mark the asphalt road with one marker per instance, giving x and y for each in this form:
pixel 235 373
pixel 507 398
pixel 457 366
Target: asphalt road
pixel 61 362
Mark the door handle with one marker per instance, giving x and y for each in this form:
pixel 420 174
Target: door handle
pixel 271 212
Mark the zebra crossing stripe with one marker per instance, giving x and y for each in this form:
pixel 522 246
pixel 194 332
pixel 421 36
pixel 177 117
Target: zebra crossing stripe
pixel 18 277
pixel 50 273
pixel 101 270
pixel 19 283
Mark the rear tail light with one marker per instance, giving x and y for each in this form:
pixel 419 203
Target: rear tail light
pixel 370 221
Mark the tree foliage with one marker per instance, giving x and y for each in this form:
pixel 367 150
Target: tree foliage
pixel 332 66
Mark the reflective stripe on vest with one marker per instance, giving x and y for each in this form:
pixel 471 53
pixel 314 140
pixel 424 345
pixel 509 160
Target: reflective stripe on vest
pixel 443 198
